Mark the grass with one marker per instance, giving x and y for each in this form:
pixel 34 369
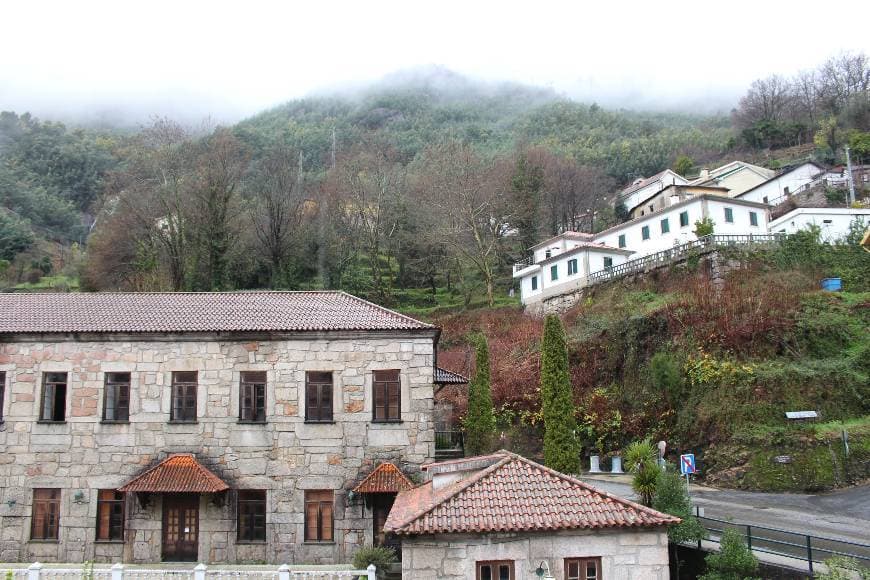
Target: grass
pixel 49 283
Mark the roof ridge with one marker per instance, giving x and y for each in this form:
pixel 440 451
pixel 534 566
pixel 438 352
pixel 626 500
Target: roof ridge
pixel 385 309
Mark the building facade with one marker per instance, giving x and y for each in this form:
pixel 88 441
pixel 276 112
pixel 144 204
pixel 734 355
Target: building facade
pixel 783 184
pixel 204 427
pixel 737 177
pixel 643 189
pixel 834 223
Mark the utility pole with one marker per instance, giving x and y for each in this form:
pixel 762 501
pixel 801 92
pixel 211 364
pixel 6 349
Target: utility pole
pixel 850 176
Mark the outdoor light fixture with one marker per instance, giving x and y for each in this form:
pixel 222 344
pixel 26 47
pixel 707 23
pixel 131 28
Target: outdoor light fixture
pixel 543 571
pixel 350 496
pixel 11 502
pixel 79 497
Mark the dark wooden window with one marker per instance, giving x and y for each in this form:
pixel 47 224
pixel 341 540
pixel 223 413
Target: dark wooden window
pixel 621 240
pixel 608 262
pixel 684 219
pixel 116 397
pixel 318 515
pixel 666 226
pixel 252 397
pixel 2 393
pixel 572 266
pixel 753 218
pixel 534 282
pixel 644 232
pixel 318 397
pixel 583 569
pixel 110 515
pixel 252 515
pixel 388 396
pixel 554 272
pixel 495 570
pixel 729 215
pixel 45 520
pixel 183 397
pixel 53 397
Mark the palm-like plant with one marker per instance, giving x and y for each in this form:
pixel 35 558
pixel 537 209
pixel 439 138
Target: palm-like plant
pixel 640 459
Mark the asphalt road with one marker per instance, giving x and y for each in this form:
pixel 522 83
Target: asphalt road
pixel 842 514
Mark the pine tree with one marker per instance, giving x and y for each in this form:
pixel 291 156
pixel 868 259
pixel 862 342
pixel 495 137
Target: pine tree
pixel 479 420
pixel 561 450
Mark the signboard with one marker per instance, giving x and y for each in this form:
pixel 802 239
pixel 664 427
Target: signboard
pixel 687 464
pixel 801 415
pixel 782 459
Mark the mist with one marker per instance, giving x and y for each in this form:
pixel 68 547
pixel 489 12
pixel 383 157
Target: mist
pixel 119 64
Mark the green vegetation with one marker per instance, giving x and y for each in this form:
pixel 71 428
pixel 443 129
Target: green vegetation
pixel 844 568
pixel 557 406
pixel 479 420
pixel 733 561
pixel 381 556
pixel 641 461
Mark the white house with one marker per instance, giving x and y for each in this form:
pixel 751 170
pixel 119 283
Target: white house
pixel 675 224
pixel 834 223
pixel 644 188
pixel 783 183
pixel 561 264
pixel 737 176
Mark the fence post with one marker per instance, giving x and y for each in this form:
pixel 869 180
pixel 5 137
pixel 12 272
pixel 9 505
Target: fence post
pixel 283 572
pixel 117 571
pixel 749 537
pixel 372 572
pixel 199 571
pixel 810 553
pixel 33 571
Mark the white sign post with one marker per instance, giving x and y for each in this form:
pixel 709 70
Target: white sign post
pixel 687 466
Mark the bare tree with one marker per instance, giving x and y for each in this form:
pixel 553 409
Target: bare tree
pixel 767 100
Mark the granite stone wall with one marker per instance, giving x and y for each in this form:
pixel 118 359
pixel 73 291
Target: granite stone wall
pixel 284 456
pixel 625 554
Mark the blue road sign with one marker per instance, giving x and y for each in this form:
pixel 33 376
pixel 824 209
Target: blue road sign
pixel 687 464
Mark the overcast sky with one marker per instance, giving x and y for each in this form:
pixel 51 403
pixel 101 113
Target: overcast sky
pixel 232 59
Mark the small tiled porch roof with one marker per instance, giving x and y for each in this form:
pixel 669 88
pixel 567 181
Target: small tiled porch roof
pixel 509 493
pixel 386 478
pixel 178 473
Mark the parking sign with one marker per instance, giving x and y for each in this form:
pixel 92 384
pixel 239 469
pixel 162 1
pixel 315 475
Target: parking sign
pixel 687 464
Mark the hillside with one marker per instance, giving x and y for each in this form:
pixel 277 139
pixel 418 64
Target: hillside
pixel 709 373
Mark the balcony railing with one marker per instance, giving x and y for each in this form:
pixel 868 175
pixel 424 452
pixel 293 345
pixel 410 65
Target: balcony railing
pixel 524 263
pixel 448 440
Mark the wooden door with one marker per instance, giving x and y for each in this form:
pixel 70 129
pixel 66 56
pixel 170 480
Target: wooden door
pixel 180 528
pixel 382 503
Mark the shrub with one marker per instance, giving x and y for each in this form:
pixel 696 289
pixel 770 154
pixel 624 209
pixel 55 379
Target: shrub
pixel 561 450
pixel 672 498
pixel 640 458
pixel 704 227
pixel 479 421
pixel 665 375
pixel 380 556
pixel 733 561
pixel 843 568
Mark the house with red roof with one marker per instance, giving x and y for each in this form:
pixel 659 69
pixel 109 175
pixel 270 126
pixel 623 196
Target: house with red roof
pixel 503 517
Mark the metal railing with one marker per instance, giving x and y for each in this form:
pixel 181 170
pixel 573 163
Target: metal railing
pixel 37 571
pixel 450 440
pixel 671 255
pixel 524 263
pixel 804 547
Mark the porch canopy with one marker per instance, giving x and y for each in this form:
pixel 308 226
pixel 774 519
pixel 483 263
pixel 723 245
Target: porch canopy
pixel 385 478
pixel 178 473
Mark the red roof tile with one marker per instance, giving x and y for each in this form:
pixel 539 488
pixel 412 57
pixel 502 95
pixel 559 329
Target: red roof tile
pixel 386 478
pixel 515 494
pixel 178 473
pixel 196 312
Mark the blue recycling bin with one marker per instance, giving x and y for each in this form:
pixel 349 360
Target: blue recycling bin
pixel 832 284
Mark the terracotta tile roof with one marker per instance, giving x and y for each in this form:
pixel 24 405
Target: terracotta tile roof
pixel 445 377
pixel 196 312
pixel 386 478
pixel 178 473
pixel 515 494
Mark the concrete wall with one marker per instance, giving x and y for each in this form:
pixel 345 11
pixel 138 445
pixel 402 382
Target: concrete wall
pixel 587 261
pixel 776 188
pixel 834 223
pixel 635 198
pixel 284 456
pixel 625 554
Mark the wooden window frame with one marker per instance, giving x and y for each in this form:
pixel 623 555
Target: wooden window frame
pixel 684 219
pixel 121 397
pixel 608 262
pixel 554 272
pixel 176 392
pixel 252 396
pixel 621 241
pixel 729 215
pixel 385 384
pixel 534 282
pixel 581 564
pixel 478 567
pixel 665 225
pixel 753 219
pixel 644 232
pixel 315 384
pixel 572 266
pixel 115 529
pixel 2 393
pixel 320 499
pixel 49 530
pixel 52 386
pixel 251 504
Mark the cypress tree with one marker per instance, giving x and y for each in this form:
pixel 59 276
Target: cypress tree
pixel 479 420
pixel 561 451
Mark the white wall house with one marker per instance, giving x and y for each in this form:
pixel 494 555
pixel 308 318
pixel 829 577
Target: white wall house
pixel 737 176
pixel 834 223
pixel 644 188
pixel 561 264
pixel 675 224
pixel 783 184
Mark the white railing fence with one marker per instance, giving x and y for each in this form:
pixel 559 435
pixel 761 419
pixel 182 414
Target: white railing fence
pixel 37 571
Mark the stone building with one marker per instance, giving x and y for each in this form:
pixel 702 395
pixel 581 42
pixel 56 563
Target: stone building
pixel 503 517
pixel 212 427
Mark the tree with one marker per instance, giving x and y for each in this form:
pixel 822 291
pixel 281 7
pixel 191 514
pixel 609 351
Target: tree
pixel 561 448
pixel 733 561
pixel 640 458
pixel 479 420
pixel 683 165
pixel 671 497
pixel 15 236
pixel 704 227
pixel 526 185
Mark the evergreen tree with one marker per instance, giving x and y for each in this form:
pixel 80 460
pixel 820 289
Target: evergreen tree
pixel 479 420
pixel 527 183
pixel 561 450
